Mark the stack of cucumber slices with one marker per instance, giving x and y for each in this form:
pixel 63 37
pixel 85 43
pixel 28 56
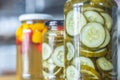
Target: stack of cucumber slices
pixel 93 26
pixel 52 59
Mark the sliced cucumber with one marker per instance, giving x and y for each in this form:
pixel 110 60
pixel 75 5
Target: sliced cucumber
pixel 93 35
pixel 88 53
pixel 104 64
pixel 71 23
pixel 108 20
pixel 58 56
pixel 86 61
pixel 93 16
pixel 88 72
pixel 48 75
pixel 71 51
pixel 93 9
pixel 51 75
pixel 48 65
pixel 46 51
pixel 107 39
pixel 72 73
pixel 83 61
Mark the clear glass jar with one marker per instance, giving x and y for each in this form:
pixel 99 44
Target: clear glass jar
pixel 29 45
pixel 53 51
pixel 90 40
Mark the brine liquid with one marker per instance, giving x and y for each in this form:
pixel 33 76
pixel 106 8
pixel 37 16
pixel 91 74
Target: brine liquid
pixel 90 42
pixel 29 64
pixel 53 55
pixel 29 55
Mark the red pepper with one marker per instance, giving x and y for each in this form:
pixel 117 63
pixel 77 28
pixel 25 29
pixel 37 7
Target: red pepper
pixel 18 42
pixel 39 47
pixel 60 28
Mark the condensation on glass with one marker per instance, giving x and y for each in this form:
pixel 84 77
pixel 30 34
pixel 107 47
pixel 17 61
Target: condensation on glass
pixel 90 40
pixel 29 45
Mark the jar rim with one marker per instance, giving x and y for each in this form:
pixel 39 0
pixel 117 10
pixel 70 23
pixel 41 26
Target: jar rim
pixel 55 23
pixel 35 16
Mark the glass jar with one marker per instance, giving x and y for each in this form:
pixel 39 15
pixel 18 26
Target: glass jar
pixel 90 40
pixel 29 44
pixel 53 51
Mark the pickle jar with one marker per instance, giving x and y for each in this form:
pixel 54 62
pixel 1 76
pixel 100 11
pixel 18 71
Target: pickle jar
pixel 53 51
pixel 90 40
pixel 29 46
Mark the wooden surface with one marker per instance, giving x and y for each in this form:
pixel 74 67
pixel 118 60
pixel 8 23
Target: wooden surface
pixel 7 78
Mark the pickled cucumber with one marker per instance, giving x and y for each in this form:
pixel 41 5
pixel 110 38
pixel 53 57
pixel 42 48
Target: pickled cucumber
pixel 92 35
pixel 108 20
pixel 46 51
pixel 107 39
pixel 71 29
pixel 93 16
pixel 51 74
pixel 83 61
pixel 72 73
pixel 104 64
pixel 58 56
pixel 90 8
pixel 71 51
pixel 93 44
pixel 98 53
pixel 89 72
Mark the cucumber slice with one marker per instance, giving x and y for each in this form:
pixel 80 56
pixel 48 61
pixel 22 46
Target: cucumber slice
pixel 107 39
pixel 46 51
pixel 88 53
pixel 93 16
pixel 51 75
pixel 84 61
pixel 71 29
pixel 93 35
pixel 108 20
pixel 93 9
pixel 48 75
pixel 46 64
pixel 89 72
pixel 72 73
pixel 58 56
pixel 71 51
pixel 85 78
pixel 104 64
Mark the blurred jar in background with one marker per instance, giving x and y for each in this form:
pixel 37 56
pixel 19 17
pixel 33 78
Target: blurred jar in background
pixel 28 41
pixel 53 51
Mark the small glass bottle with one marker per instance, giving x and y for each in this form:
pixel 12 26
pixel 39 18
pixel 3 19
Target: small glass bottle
pixel 53 51
pixel 90 40
pixel 29 44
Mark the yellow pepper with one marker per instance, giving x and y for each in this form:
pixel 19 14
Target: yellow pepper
pixel 37 37
pixel 44 31
pixel 26 26
pixel 19 33
pixel 38 26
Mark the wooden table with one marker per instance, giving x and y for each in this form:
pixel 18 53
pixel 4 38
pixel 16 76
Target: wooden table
pixel 7 77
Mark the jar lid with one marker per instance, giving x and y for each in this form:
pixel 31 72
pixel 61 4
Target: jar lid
pixel 54 23
pixel 35 17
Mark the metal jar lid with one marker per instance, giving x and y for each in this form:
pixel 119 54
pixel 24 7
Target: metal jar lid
pixel 55 23
pixel 25 17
